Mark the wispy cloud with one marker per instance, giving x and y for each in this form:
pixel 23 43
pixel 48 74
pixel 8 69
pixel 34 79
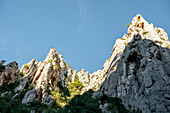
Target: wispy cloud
pixel 83 14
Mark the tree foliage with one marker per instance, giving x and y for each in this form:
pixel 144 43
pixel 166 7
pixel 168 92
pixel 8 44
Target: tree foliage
pixel 67 99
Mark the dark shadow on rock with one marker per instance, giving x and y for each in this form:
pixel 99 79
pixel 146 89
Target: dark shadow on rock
pixel 142 78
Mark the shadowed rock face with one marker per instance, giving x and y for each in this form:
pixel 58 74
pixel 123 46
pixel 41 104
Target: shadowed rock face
pixel 142 77
pixel 8 73
pixel 138 71
pixel 141 74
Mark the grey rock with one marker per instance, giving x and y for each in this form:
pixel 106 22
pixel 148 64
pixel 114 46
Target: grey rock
pixel 44 77
pixel 145 85
pixel 142 79
pixel 8 75
pixel 3 94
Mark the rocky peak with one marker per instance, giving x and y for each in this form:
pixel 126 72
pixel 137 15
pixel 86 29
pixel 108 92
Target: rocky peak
pixel 149 31
pixel 138 70
pixel 139 28
pixel 41 75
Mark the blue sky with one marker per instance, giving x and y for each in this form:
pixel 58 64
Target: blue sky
pixel 83 31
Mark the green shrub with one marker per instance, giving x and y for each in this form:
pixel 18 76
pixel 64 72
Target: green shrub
pixel 128 24
pixel 40 107
pixel 145 32
pixel 26 66
pixel 113 68
pixel 115 104
pixel 56 67
pixel 9 105
pixel 160 42
pixel 8 88
pixel 83 104
pixel 22 74
pixel 125 43
pixel 28 85
pixel 60 94
pixel 121 39
pixel 63 89
pixel 10 65
pixel 75 87
pixel 65 75
pixel 50 61
pixel 2 68
pixel 63 95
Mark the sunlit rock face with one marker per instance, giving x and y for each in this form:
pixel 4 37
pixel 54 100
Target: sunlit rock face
pixel 41 75
pixel 141 71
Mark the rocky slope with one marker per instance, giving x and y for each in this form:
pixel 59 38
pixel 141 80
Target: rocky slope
pixel 138 72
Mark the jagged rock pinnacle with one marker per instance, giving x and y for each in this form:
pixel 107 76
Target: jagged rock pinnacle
pixel 140 26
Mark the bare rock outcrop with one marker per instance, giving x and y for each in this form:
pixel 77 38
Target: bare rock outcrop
pixel 139 71
pixel 42 77
pixel 8 73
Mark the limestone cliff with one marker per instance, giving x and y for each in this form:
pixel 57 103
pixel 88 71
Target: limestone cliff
pixel 138 72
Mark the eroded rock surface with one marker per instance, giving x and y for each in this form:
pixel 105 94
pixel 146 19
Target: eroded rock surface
pixel 8 73
pixel 40 75
pixel 141 76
